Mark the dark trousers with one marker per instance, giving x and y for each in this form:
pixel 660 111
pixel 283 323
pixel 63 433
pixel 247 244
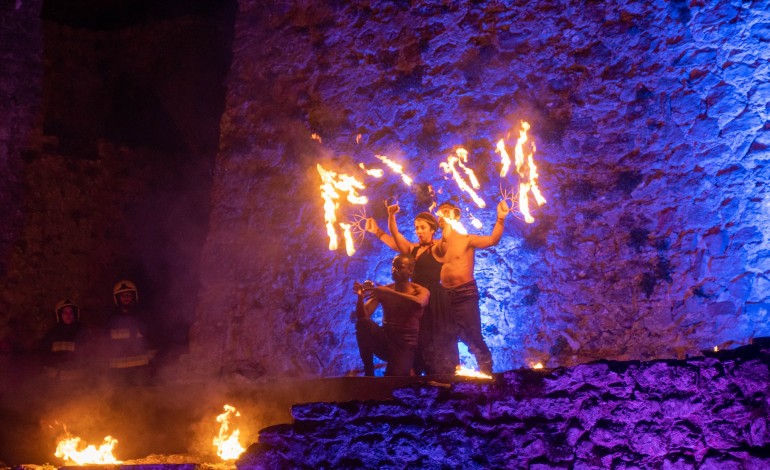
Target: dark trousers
pixel 464 301
pixel 388 345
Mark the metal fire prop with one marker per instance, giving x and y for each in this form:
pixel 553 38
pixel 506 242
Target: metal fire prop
pixel 336 187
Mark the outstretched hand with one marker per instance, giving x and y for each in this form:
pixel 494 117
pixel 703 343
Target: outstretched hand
pixel 371 225
pixel 393 209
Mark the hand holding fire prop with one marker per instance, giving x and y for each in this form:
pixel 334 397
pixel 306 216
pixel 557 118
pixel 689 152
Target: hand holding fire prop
pixel 503 210
pixel 363 289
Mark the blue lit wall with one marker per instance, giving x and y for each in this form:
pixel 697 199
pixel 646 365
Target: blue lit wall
pixel 652 133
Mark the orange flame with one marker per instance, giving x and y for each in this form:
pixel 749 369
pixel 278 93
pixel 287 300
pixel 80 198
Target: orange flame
pixel 228 447
pixel 527 174
pixel 459 159
pixel 538 365
pixel 316 137
pixel 350 248
pixel 67 449
pixel 331 183
pixel 395 167
pixel 462 371
pixel 376 172
pixel 505 158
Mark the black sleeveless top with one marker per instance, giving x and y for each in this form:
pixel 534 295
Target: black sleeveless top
pixel 427 271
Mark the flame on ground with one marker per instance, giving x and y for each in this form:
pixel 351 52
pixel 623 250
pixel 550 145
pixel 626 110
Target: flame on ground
pixel 465 372
pixel 537 365
pixel 228 447
pixel 460 158
pixel 67 449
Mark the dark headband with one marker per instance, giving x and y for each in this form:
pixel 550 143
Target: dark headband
pixel 429 218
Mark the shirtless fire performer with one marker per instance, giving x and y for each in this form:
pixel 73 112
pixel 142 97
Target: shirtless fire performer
pixel 457 278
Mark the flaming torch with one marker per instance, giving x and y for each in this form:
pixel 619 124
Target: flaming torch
pixel 67 449
pixel 228 447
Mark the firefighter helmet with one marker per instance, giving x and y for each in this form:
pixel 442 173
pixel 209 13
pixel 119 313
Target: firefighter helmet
pixel 124 286
pixel 66 303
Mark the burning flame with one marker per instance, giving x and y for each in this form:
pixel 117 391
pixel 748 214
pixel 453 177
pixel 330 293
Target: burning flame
pixel 67 449
pixel 716 348
pixel 504 157
pixel 476 222
pixel 525 167
pixel 538 365
pixel 375 172
pixel 462 371
pixel 459 159
pixel 316 137
pixel 350 248
pixel 395 167
pixel 331 183
pixel 228 447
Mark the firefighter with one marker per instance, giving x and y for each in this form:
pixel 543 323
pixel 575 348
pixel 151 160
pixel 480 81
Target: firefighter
pixel 64 343
pixel 129 354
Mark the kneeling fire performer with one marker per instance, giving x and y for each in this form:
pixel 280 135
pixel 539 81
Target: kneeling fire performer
pixel 403 303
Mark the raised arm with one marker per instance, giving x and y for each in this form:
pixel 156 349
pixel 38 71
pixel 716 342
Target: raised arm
pixel 366 302
pixel 485 241
pixel 386 238
pixel 402 244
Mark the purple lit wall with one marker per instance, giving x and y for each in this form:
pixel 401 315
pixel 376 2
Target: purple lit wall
pixel 652 133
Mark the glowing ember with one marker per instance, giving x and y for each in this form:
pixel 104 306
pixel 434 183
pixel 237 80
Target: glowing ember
pixel 459 159
pixel 228 447
pixel 465 372
pixel 67 449
pixel 316 137
pixel 331 183
pixel 395 167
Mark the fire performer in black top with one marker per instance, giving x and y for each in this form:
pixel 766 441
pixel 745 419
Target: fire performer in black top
pixel 402 303
pixel 437 345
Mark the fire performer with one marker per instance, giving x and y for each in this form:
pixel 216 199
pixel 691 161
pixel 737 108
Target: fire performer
pixel 459 252
pixel 437 344
pixel 402 303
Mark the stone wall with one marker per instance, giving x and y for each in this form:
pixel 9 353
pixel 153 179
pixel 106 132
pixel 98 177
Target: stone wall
pixel 698 413
pixel 21 48
pixel 108 144
pixel 651 127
